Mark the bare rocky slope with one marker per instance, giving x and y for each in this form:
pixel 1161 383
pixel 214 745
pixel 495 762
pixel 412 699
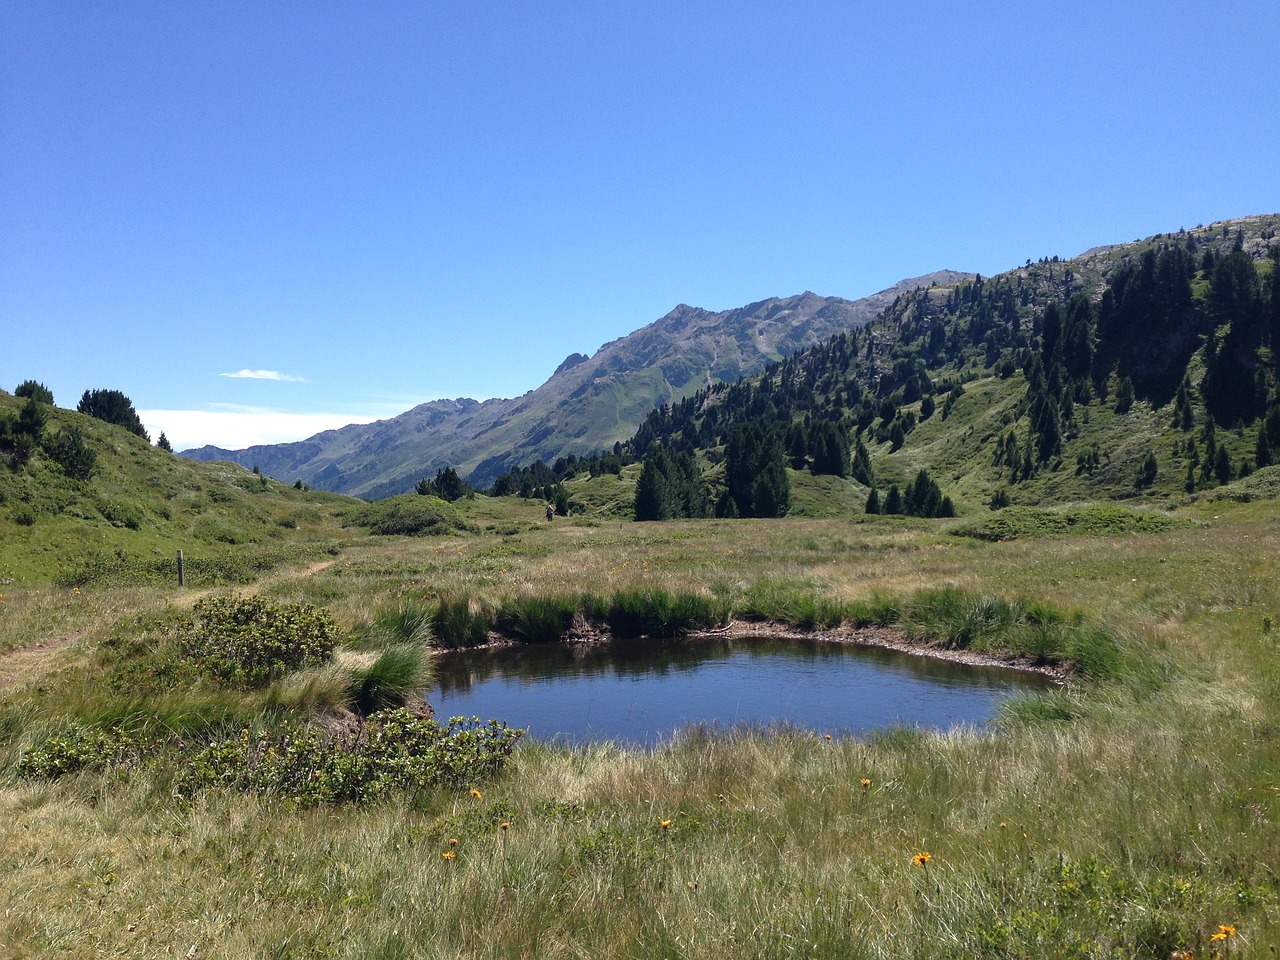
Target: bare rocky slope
pixel 587 404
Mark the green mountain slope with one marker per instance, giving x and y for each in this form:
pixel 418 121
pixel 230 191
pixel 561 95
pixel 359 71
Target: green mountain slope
pixel 1138 371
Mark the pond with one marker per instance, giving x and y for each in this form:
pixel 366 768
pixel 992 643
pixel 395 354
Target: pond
pixel 640 692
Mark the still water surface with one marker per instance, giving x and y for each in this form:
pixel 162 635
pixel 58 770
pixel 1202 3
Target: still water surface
pixel 641 691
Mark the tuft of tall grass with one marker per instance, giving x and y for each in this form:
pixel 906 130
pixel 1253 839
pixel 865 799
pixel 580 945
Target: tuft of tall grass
pixel 461 621
pixel 949 617
pixel 406 622
pixel 400 671
pixel 540 618
pixel 641 611
pixel 782 602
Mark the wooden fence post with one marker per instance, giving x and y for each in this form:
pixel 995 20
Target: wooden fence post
pixel 182 572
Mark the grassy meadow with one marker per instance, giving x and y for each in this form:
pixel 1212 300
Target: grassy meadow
pixel 1129 815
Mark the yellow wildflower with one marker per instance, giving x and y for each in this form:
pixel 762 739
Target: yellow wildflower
pixel 476 793
pixel 665 824
pixel 864 783
pixel 921 858
pixel 504 825
pixel 449 855
pixel 1225 932
pixel 453 841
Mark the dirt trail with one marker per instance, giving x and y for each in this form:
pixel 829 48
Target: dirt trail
pixel 19 667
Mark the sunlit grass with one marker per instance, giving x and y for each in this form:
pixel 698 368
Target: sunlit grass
pixel 1131 817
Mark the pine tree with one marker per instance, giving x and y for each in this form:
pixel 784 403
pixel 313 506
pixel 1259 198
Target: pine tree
pixel 893 501
pixel 1222 465
pixel 873 501
pixel 71 452
pixel 862 471
pixel 35 390
pixel 112 406
pixel 162 442
pixel 653 499
pixel 1147 474
pixel 830 450
pixel 771 491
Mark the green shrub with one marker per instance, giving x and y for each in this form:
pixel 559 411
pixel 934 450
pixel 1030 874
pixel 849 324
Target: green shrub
pixel 80 748
pixel 249 641
pixel 1014 523
pixel 120 569
pixel 408 515
pixel 34 389
pixel 395 751
pixel 120 514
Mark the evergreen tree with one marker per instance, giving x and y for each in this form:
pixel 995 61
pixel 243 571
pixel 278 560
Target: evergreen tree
pixel 893 501
pixel 35 390
pixel 750 453
pixel 1124 395
pixel 862 471
pixel 771 491
pixel 1222 465
pixel 830 450
pixel 112 406
pixel 163 443
pixel 797 445
pixel 873 501
pixel 32 419
pixel 653 498
pixel 1147 473
pixel 71 452
pixel 1262 452
pixel 897 437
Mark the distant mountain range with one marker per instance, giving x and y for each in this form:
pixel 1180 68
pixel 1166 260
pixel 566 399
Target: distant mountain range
pixel 588 404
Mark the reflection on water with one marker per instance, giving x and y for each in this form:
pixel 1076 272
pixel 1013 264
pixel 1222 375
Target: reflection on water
pixel 641 691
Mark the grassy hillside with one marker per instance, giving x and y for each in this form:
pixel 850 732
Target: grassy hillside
pixel 1145 372
pixel 141 505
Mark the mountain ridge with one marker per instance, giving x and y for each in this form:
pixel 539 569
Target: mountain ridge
pixel 587 404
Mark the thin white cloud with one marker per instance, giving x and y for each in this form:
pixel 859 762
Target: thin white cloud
pixel 263 375
pixel 237 428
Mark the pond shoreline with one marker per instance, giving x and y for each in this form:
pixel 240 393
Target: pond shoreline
pixel 884 638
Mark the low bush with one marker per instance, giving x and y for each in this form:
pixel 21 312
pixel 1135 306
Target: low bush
pixel 395 751
pixel 80 748
pixel 408 515
pixel 249 641
pixel 207 570
pixel 1014 523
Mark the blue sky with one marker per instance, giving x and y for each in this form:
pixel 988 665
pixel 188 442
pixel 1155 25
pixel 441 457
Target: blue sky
pixel 260 220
